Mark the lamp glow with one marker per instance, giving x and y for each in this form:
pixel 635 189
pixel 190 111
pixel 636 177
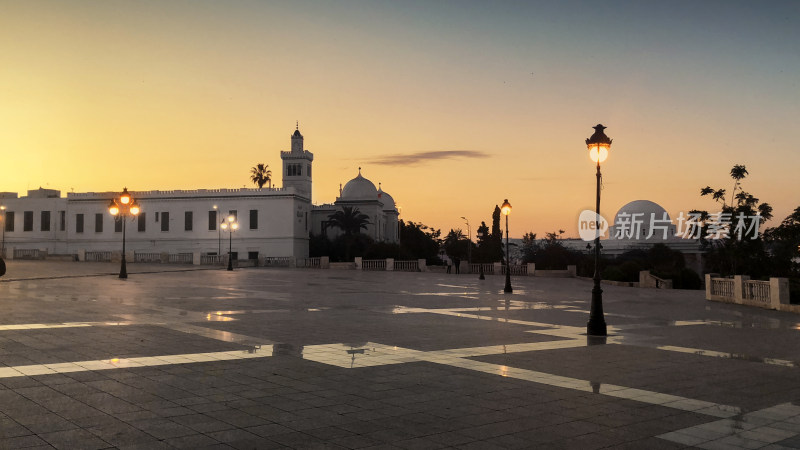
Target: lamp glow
pixel 598 153
pixel 506 207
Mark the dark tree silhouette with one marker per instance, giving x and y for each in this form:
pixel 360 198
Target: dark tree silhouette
pixel 350 220
pixel 261 175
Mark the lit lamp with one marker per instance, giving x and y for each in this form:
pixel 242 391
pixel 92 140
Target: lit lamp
pixel 598 145
pixel 230 226
pixel 3 209
pixel 506 210
pixel 122 208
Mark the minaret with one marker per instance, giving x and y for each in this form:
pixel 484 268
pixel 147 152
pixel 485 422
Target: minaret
pixel 297 166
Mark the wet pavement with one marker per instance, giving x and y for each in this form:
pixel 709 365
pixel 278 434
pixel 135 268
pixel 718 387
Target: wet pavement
pixel 189 357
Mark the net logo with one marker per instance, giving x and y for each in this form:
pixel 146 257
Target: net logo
pixel 591 225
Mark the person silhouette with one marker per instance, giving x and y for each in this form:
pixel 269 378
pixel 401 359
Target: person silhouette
pixel 457 262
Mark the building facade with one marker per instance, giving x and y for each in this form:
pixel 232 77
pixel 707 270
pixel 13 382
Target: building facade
pixel 273 222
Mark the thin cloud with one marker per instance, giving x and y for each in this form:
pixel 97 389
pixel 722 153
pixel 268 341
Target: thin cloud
pixel 410 159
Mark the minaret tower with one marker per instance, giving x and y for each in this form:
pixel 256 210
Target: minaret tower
pixel 297 166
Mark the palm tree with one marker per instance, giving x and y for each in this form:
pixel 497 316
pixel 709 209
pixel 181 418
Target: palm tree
pixel 261 175
pixel 349 219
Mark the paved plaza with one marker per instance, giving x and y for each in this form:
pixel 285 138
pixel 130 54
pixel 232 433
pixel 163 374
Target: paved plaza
pixel 183 357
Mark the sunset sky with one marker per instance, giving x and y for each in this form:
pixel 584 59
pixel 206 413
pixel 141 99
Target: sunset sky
pixel 451 105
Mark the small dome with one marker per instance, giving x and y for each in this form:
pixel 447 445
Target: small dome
pixel 387 200
pixel 297 134
pixel 359 188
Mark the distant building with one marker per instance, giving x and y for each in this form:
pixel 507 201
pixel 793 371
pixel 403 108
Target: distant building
pixel 272 221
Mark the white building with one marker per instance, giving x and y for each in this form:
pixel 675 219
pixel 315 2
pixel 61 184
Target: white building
pixel 273 222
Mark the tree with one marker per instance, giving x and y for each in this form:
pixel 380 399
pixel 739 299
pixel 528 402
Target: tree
pixel 261 175
pixel 350 220
pixel 419 241
pixel 735 254
pixel 783 243
pixel 455 244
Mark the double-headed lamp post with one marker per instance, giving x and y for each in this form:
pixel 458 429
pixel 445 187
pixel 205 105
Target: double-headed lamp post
pixel 230 226
pixel 122 208
pixel 598 145
pixel 506 209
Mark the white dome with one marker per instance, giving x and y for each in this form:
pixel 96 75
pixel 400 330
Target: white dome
pixel 387 200
pixel 359 188
pixel 635 220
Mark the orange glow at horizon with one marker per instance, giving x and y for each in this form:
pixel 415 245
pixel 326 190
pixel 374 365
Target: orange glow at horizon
pixel 448 115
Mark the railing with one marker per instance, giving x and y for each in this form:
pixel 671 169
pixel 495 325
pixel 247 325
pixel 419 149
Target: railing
pixel 756 290
pixel 98 256
pixel 373 264
pixel 27 253
pixel 309 263
pixel 722 287
pixel 406 266
pixel 181 258
pixel 207 260
pixel 146 257
pixel 277 261
pixel 515 269
pixel 488 269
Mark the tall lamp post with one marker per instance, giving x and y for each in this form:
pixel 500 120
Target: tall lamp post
pixel 469 243
pixel 598 145
pixel 3 211
pixel 230 225
pixel 506 209
pixel 122 208
pixel 480 235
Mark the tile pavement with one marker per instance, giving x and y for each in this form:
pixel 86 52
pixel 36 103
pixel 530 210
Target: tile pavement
pixel 279 358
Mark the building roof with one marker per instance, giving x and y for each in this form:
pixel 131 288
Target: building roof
pixel 359 188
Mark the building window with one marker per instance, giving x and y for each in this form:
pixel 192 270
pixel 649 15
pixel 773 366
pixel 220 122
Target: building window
pixel 27 221
pixel 9 220
pixel 252 255
pixel 187 221
pixel 142 222
pixel 212 221
pixel 45 221
pixel 294 170
pixel 118 224
pixel 62 220
pixel 79 223
pixel 164 221
pixel 98 223
pixel 253 219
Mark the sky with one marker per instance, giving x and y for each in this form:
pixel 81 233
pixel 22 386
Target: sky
pixel 453 106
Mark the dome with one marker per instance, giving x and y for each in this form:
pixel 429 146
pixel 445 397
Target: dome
pixel 387 200
pixel 359 188
pixel 635 220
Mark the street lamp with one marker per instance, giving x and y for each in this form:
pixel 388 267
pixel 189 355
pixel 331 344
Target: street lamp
pixel 506 209
pixel 598 145
pixel 3 251
pixel 230 225
pixel 469 244
pixel 123 208
pixel 480 235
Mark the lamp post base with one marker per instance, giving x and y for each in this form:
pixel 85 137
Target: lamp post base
pixel 123 269
pixel 480 271
pixel 596 326
pixel 508 289
pixel 230 263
